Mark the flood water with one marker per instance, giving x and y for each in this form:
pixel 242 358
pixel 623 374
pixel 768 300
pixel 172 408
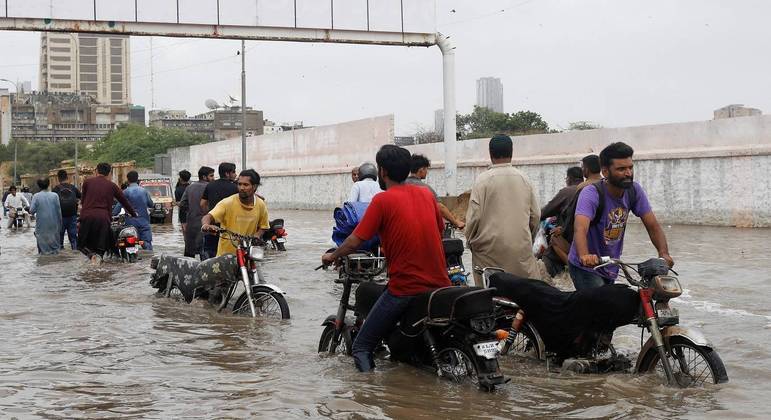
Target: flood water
pixel 82 342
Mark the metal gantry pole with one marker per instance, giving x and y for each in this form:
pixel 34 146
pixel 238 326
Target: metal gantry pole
pixel 15 147
pixel 448 84
pixel 243 105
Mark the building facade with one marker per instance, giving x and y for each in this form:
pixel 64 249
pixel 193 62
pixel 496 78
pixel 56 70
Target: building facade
pixel 490 93
pixel 216 125
pixel 5 117
pixel 96 65
pixel 735 110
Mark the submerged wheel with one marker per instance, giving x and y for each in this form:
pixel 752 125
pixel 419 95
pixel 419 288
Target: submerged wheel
pixel 344 347
pixel 174 293
pixel 525 344
pixel 692 365
pixel 280 246
pixel 132 258
pixel 455 364
pixel 267 303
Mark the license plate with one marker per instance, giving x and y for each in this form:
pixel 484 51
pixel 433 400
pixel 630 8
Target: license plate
pixel 131 249
pixel 487 350
pixel 280 240
pixel 667 312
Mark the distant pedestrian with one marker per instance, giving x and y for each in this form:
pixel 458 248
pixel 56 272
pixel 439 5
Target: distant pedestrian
pixel 554 207
pixel 13 202
pixel 591 169
pixel 367 186
pixel 355 174
pixel 191 203
pixel 141 201
pixel 94 234
pixel 48 216
pixel 68 202
pixel 215 192
pixel 179 189
pixel 418 172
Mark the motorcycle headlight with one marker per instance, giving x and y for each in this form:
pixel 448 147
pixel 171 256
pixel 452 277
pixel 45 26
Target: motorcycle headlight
pixel 256 253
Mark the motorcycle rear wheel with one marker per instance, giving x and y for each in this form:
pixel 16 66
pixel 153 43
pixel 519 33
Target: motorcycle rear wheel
pixel 267 303
pixel 525 344
pixel 692 365
pixel 458 366
pixel 344 347
pixel 280 246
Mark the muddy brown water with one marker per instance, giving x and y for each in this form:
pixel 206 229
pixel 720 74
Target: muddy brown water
pixel 82 342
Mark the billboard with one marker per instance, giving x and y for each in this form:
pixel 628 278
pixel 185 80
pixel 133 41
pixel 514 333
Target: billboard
pixel 385 16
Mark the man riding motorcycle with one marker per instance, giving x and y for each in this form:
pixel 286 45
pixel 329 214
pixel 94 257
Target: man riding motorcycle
pixel 15 201
pixel 411 238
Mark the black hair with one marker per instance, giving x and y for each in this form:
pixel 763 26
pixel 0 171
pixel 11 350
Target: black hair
pixel 103 168
pixel 184 175
pixel 204 172
pixel 124 185
pixel 132 176
pixel 395 160
pixel 592 163
pixel 61 175
pixel 253 176
pixel 226 168
pixel 43 183
pixel 617 150
pixel 501 147
pixel 575 173
pixel 12 187
pixel 419 162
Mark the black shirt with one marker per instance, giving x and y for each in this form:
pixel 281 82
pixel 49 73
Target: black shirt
pixel 178 191
pixel 58 190
pixel 217 190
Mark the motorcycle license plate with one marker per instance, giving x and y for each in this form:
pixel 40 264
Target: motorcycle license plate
pixel 488 350
pixel 131 249
pixel 280 240
pixel 667 312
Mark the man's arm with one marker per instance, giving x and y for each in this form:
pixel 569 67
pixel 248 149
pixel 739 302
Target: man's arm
pixel 349 246
pixel 24 201
pixel 118 194
pixel 184 202
pixel 473 215
pixel 447 215
pixel 33 206
pixel 149 200
pixel 553 207
pixel 204 203
pixel 535 213
pixel 580 232
pixel 658 238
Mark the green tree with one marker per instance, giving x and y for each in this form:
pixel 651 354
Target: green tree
pixel 483 122
pixel 141 144
pixel 38 158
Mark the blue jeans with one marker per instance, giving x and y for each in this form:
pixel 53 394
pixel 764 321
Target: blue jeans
pixel 381 320
pixel 583 279
pixel 210 243
pixel 70 226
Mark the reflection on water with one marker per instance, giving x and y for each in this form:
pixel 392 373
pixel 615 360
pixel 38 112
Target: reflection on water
pixel 80 341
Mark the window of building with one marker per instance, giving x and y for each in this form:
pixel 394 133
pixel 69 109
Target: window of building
pixel 87 50
pixel 88 68
pixel 116 69
pixel 61 85
pixel 88 77
pixel 59 40
pixel 62 58
pixel 116 96
pixel 116 60
pixel 88 87
pixel 88 60
pixel 60 76
pixel 61 49
pixel 87 42
pixel 61 68
pixel 116 42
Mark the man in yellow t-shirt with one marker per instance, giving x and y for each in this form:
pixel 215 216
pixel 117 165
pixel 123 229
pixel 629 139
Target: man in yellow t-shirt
pixel 242 213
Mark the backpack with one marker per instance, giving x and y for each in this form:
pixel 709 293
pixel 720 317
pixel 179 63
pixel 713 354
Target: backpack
pixel 68 200
pixel 568 215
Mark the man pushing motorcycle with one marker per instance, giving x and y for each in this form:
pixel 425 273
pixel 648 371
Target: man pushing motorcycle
pixel 407 219
pixel 242 213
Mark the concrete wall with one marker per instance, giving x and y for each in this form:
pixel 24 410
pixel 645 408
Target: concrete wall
pixel 710 172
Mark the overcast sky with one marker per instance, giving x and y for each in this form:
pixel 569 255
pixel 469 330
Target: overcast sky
pixel 615 62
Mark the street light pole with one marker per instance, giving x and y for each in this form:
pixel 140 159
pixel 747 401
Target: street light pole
pixel 243 105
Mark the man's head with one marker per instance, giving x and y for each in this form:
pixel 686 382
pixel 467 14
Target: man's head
pixel 61 175
pixel 367 170
pixel 103 168
pixel 184 175
pixel 248 181
pixel 419 166
pixel 43 183
pixel 132 177
pixel 12 190
pixel 617 166
pixel 393 164
pixel 206 174
pixel 227 170
pixel 501 149
pixel 355 174
pixel 574 176
pixel 590 165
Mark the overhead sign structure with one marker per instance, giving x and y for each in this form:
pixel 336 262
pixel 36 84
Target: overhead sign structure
pixel 378 22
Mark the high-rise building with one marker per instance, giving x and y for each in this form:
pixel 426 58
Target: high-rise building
pixel 92 64
pixel 439 121
pixel 490 93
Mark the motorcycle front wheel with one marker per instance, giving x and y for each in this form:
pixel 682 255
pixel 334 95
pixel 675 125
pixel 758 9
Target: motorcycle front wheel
pixel 344 347
pixel 280 246
pixel 525 344
pixel 456 365
pixel 267 302
pixel 692 365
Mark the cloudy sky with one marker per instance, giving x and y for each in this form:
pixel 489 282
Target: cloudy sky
pixel 614 62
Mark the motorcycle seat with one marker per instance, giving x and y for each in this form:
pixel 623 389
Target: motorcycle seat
pixel 189 274
pixel 442 306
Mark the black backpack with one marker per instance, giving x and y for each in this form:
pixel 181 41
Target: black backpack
pixel 68 200
pixel 567 217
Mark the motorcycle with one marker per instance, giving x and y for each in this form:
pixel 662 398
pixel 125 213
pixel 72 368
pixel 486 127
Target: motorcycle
pixel 448 331
pixel 453 256
pixel 275 236
pixel 220 279
pixel 573 329
pixel 126 243
pixel 17 216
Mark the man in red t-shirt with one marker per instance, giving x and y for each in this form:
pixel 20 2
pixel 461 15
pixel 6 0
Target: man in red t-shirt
pixel 409 224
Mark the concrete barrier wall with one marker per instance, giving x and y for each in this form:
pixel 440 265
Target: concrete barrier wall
pixel 709 172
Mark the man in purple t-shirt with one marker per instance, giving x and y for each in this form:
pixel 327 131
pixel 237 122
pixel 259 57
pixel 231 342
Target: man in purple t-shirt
pixel 606 238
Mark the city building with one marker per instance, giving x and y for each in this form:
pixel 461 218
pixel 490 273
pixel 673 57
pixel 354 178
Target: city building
pixel 217 124
pixel 404 140
pixel 5 116
pixel 490 93
pixel 46 116
pixel 92 64
pixel 137 114
pixel 439 121
pixel 735 110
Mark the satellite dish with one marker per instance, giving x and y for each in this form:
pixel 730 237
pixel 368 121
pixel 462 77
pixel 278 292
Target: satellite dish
pixel 211 104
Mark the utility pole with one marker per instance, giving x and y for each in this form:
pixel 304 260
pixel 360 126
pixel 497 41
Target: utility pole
pixel 243 105
pixel 15 147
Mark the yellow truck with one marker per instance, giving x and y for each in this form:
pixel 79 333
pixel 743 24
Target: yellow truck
pixel 159 187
